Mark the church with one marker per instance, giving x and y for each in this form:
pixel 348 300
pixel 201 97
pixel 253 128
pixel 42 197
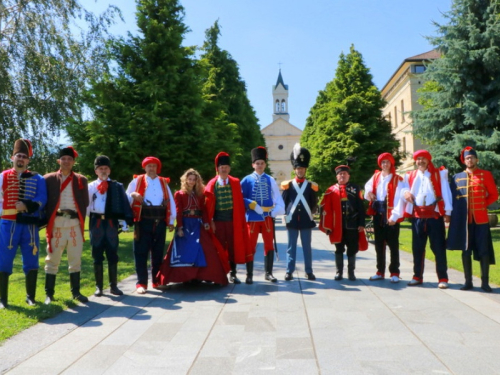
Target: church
pixel 280 135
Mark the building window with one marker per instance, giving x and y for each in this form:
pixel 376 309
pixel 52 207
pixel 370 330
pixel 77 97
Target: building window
pixel 280 147
pixel 418 69
pixel 388 117
pixel 395 117
pixel 277 109
pixel 402 111
pixel 283 106
pixel 404 144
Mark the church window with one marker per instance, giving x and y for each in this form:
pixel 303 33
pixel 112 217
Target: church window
pixel 277 106
pixel 283 106
pixel 280 147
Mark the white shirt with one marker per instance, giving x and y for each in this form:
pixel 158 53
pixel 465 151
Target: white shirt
pixel 153 194
pixel 96 199
pixel 424 194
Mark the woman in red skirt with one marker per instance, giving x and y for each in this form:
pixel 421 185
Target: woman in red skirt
pixel 194 253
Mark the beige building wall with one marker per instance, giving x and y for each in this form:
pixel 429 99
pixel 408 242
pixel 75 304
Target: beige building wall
pixel 401 96
pixel 280 135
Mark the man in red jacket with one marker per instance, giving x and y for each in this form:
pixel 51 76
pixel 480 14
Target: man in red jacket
pixel 473 191
pixel 226 214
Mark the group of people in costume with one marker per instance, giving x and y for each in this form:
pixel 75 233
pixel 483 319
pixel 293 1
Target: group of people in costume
pixel 217 226
pixel 429 200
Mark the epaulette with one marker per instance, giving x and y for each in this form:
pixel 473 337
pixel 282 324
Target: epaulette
pixel 285 184
pixel 314 186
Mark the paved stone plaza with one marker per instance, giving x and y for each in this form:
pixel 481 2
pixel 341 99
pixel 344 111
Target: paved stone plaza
pixel 297 327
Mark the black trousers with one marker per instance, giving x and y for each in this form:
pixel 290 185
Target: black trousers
pixel 432 229
pixel 149 238
pixel 386 236
pixel 350 239
pixel 104 240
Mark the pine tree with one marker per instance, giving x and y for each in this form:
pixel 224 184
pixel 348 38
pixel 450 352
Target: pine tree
pixel 227 108
pixel 346 122
pixel 151 105
pixel 461 96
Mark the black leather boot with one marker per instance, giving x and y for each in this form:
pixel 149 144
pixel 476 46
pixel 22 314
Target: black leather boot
pixel 113 279
pixel 351 266
pixel 249 279
pixel 31 278
pixel 269 264
pixel 98 272
pixel 339 262
pixel 467 263
pixel 232 274
pixel 74 279
pixel 50 285
pixel 4 290
pixel 485 274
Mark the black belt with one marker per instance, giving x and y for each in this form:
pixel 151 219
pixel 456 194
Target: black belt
pixel 68 214
pixel 380 206
pixel 153 212
pixel 191 213
pixel 98 216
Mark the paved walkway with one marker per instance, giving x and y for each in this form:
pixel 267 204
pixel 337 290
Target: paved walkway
pixel 297 327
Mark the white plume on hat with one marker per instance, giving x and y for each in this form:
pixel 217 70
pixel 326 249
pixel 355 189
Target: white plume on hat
pixel 296 150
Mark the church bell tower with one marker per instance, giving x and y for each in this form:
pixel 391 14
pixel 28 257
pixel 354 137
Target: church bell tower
pixel 280 99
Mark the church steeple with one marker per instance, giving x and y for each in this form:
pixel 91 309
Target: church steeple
pixel 280 99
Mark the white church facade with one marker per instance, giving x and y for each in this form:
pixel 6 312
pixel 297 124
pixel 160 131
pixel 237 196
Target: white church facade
pixel 280 135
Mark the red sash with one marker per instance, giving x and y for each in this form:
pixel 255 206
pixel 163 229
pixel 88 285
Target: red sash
pixel 436 185
pixel 391 192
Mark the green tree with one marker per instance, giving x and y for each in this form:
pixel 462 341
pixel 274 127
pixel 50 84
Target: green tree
pixel 461 96
pixel 150 105
pixel 49 49
pixel 226 106
pixel 346 122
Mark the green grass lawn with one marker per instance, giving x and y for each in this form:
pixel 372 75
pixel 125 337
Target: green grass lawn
pixel 20 316
pixel 455 257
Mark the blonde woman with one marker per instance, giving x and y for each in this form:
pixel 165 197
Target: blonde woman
pixel 194 253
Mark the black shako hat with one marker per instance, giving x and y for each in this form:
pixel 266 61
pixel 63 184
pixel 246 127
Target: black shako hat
pixel 259 153
pixel 102 161
pixel 300 156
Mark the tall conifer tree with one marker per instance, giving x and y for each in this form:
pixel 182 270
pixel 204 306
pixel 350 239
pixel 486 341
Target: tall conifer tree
pixel 226 106
pixel 346 122
pixel 461 98
pixel 152 104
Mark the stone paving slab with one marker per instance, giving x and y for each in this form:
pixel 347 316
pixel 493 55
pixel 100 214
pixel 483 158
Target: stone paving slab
pixel 301 326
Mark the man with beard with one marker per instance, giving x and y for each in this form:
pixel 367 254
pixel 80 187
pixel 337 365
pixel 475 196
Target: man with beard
pixel 473 191
pixel 23 195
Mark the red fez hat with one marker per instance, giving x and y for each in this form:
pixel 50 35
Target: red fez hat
pixel 222 158
pixel 390 158
pixel 152 160
pixel 342 168
pixel 466 152
pixel 422 153
pixel 23 146
pixel 69 151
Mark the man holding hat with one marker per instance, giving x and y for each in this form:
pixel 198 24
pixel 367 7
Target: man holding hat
pixel 22 195
pixel 67 201
pixel 301 201
pixel 263 203
pixel 226 214
pixel 154 210
pixel 426 198
pixel 343 220
pixel 383 191
pixel 108 204
pixel 473 191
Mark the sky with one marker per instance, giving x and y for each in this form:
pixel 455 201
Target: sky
pixel 304 38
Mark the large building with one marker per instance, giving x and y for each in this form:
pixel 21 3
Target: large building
pixel 400 93
pixel 280 135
